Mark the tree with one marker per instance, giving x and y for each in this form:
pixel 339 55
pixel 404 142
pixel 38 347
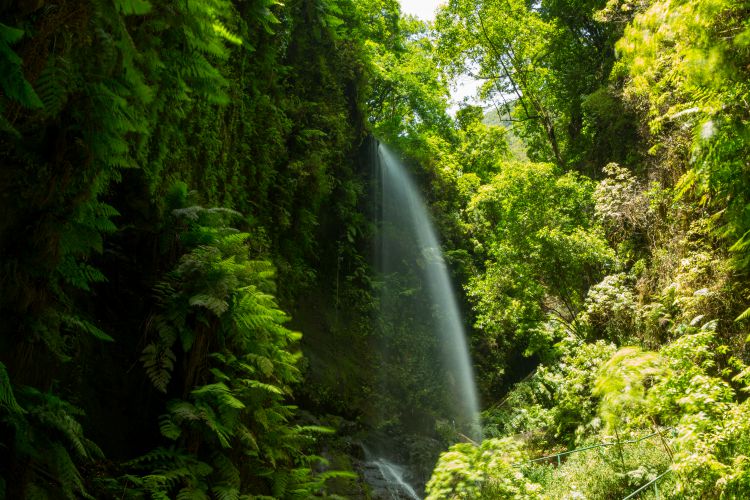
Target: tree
pixel 503 43
pixel 541 250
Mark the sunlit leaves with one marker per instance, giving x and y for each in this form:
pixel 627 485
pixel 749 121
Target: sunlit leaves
pixel 687 63
pixel 469 471
pixel 542 249
pixel 621 384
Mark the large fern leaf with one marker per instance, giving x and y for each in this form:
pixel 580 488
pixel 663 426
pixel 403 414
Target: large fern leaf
pixel 7 398
pixel 12 80
pixel 82 325
pixel 53 85
pixel 159 363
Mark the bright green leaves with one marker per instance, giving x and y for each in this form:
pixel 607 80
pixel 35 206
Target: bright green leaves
pixel 407 100
pixel 481 148
pixel 555 404
pixel 503 43
pixel 542 251
pixel 687 61
pixel 227 35
pixel 639 259
pixel 621 384
pixel 538 64
pixel 467 471
pixel 680 386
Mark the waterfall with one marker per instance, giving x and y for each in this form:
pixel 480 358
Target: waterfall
pixel 426 368
pixel 404 212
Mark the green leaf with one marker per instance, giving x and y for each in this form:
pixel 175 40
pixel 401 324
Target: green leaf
pixel 85 326
pixel 260 385
pixel 138 7
pixel 168 428
pixel 13 82
pixel 745 315
pixel 7 398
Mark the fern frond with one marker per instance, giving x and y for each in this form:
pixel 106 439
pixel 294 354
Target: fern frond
pixel 335 474
pixel 155 458
pixel 315 429
pixel 221 393
pixel 228 476
pixel 7 398
pixel 263 386
pixel 168 428
pixel 79 274
pixel 224 492
pixel 247 437
pixel 192 493
pixel 183 411
pixel 265 364
pixel 219 430
pixel 224 33
pixel 158 362
pixel 53 85
pixel 65 471
pixel 138 7
pixel 685 183
pixel 213 304
pixel 157 494
pixel 280 484
pixel 80 324
pixel 745 315
pixel 12 81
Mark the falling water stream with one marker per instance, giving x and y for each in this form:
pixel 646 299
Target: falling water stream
pixel 409 246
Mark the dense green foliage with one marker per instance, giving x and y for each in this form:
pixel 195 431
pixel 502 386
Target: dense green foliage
pixel 109 109
pixel 186 185
pixel 629 290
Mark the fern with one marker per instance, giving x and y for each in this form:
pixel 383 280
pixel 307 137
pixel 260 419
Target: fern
pixel 247 439
pixel 158 362
pixel 213 304
pixel 221 393
pixel 13 82
pixel 192 493
pixel 80 324
pixel 315 429
pixel 138 7
pixel 262 386
pixel 65 470
pixel 168 428
pixel 49 440
pixel 183 411
pixel 7 398
pixel 173 471
pixel 79 274
pixel 228 481
pixel 745 314
pixel 224 33
pixel 54 84
pixel 281 484
pixel 240 405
